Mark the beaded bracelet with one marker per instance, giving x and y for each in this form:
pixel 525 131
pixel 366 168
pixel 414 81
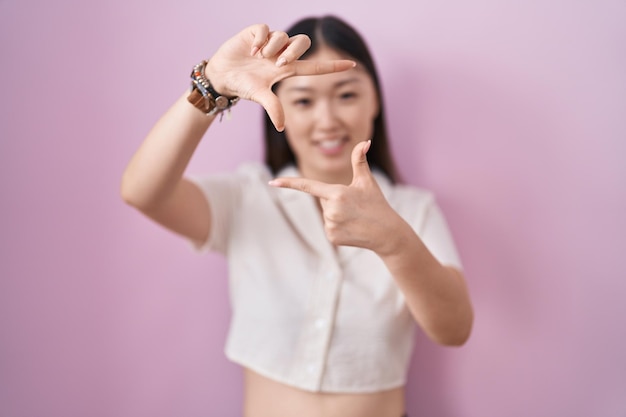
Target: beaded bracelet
pixel 204 97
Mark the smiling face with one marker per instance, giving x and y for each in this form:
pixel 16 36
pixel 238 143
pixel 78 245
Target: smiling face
pixel 326 116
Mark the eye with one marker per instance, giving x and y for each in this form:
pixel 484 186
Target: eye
pixel 302 102
pixel 348 95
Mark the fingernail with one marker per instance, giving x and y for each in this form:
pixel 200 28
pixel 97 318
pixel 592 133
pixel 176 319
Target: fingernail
pixel 274 183
pixel 254 50
pixel 281 61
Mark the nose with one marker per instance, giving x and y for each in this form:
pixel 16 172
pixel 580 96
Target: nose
pixel 326 116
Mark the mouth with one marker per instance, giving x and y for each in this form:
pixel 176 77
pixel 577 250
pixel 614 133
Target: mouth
pixel 331 146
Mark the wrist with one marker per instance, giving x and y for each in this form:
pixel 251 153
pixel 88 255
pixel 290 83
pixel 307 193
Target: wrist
pixel 217 78
pixel 399 236
pixel 204 96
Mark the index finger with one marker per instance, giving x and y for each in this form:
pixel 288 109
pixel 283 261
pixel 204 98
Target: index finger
pixel 306 67
pixel 315 188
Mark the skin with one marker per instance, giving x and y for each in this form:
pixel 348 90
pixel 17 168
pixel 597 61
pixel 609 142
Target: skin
pixel 326 117
pixel 326 105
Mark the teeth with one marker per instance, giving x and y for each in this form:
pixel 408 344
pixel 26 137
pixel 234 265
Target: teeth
pixel 330 143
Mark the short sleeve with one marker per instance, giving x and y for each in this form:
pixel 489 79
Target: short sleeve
pixel 437 237
pixel 224 194
pixel 222 191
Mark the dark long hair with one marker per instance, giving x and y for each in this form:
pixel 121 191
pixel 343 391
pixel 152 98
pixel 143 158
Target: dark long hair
pixel 337 34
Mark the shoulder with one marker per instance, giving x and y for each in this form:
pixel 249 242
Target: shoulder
pixel 404 196
pixel 414 204
pixel 252 173
pixel 255 171
pixel 412 194
pixel 249 172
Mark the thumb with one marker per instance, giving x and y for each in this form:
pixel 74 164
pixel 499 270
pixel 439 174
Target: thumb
pixel 360 167
pixel 272 106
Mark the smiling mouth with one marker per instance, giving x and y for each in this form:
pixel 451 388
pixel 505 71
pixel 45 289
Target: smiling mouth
pixel 330 144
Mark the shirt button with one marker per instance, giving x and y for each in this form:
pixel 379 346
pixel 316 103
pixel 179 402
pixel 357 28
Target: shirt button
pixel 330 276
pixel 319 323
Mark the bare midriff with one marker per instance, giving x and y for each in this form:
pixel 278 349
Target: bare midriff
pixel 267 398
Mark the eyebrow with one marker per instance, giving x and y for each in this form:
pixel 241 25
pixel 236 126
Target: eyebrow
pixel 336 85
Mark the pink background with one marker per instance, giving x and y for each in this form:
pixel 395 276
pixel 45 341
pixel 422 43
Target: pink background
pixel 513 112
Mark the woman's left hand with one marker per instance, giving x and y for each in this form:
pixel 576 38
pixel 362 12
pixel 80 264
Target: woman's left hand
pixel 354 215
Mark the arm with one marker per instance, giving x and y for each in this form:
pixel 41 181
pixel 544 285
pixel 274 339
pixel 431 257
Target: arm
pixel 359 215
pixel 245 66
pixel 436 295
pixel 153 180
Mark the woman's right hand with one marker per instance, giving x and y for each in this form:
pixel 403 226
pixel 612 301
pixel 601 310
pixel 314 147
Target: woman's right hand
pixel 246 66
pixel 251 62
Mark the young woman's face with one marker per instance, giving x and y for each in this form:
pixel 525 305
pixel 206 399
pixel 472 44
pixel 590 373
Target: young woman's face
pixel 326 116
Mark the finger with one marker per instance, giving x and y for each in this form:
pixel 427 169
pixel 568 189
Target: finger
pixel 360 167
pixel 315 188
pixel 272 106
pixel 298 45
pixel 306 67
pixel 259 35
pixel 276 42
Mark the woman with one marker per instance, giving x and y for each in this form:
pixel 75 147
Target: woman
pixel 331 261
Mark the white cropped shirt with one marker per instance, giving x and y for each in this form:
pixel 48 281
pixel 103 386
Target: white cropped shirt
pixel 304 313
